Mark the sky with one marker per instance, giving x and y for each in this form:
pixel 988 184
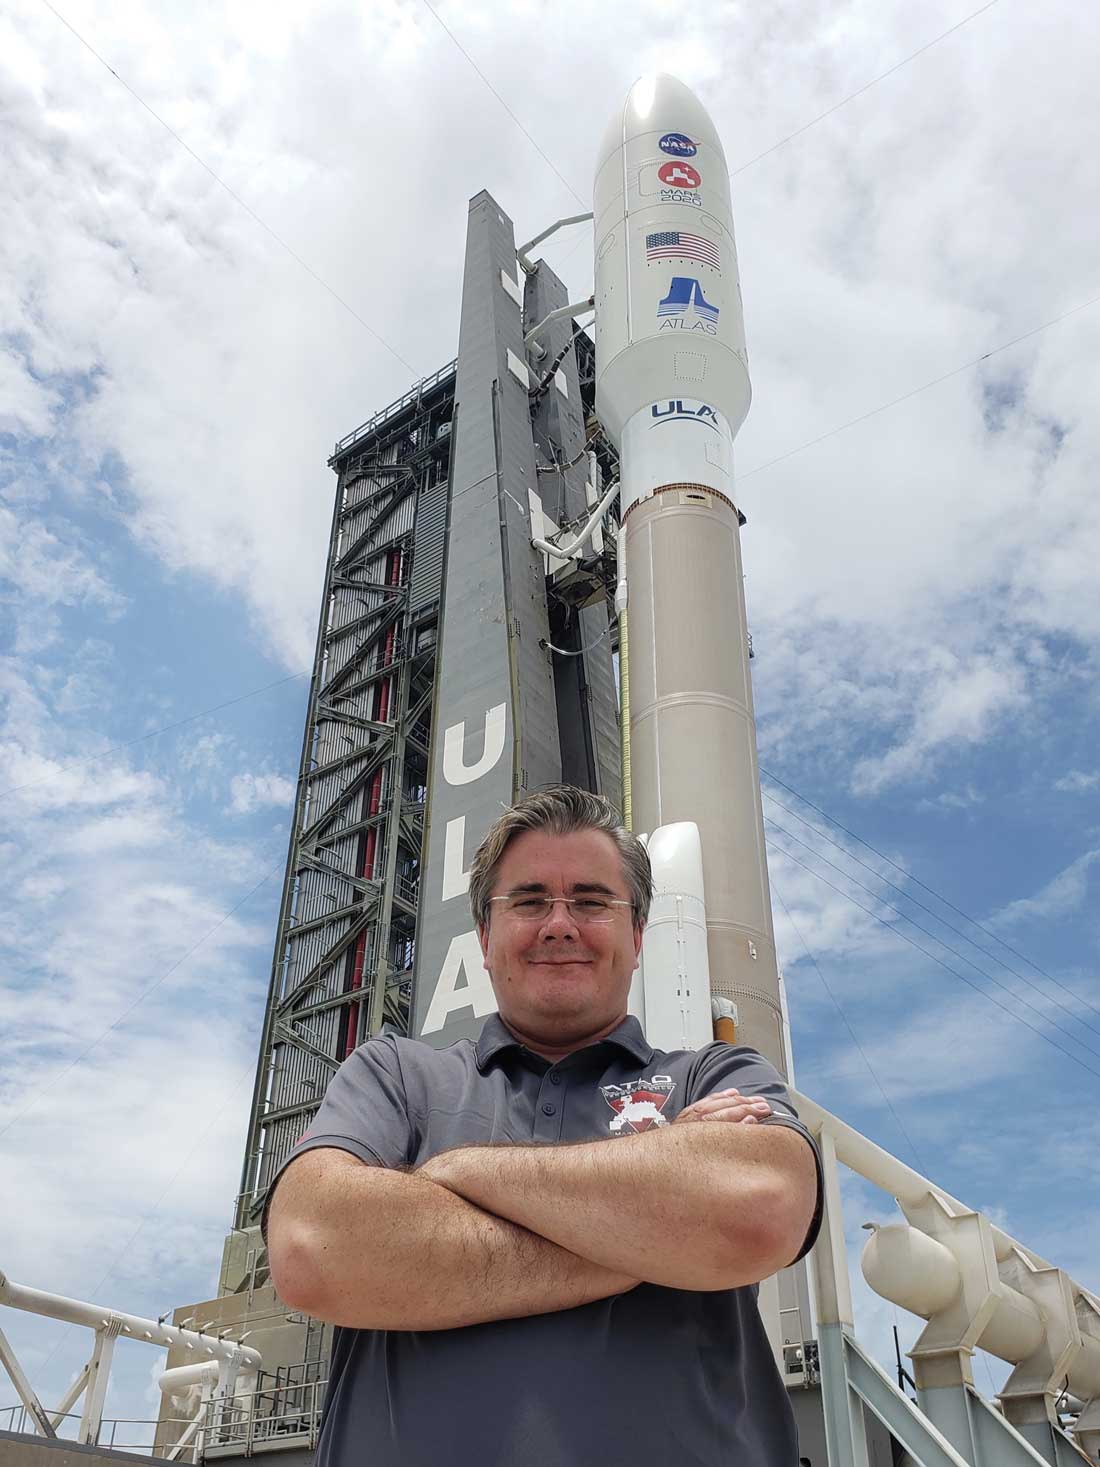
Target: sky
pixel 914 196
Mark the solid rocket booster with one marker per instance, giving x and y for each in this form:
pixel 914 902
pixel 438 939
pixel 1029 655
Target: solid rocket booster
pixel 672 389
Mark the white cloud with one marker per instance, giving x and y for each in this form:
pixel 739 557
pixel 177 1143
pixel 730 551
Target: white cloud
pixel 961 705
pixel 964 799
pixel 172 377
pixel 1061 895
pixel 249 792
pixel 1077 781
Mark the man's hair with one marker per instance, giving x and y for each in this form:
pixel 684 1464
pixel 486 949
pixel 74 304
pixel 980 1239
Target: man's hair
pixel 560 809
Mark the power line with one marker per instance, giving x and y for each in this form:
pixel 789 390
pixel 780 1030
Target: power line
pixel 306 266
pixel 925 887
pixel 916 391
pixel 548 161
pixel 154 733
pixel 934 936
pixel 806 126
pixel 851 1031
pixel 936 959
pixel 142 996
pixel 851 856
pixel 865 88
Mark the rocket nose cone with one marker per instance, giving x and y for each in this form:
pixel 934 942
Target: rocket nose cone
pixel 658 102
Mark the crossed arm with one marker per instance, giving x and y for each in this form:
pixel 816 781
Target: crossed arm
pixel 497 1232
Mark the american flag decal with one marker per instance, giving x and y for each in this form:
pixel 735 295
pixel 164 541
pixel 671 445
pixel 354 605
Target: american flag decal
pixel 674 244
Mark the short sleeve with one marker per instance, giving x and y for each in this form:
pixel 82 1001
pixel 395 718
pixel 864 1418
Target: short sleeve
pixel 363 1111
pixel 724 1066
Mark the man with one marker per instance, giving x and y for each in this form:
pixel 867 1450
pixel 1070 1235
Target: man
pixel 520 1276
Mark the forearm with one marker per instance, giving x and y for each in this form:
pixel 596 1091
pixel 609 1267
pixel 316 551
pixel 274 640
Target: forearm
pixel 389 1250
pixel 678 1207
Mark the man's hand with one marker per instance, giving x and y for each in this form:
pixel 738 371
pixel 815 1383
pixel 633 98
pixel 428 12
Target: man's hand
pixel 723 1105
pixel 726 1105
pixel 706 1210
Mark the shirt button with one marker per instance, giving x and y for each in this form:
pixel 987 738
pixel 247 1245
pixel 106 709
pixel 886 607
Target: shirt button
pixel 548 1109
pixel 555 1078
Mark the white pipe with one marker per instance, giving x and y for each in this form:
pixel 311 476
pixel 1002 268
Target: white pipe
pixel 620 561
pixel 181 1378
pixel 910 1268
pixel 903 1182
pixel 521 253
pixel 576 308
pixel 572 550
pixel 94 1316
pixel 1016 1328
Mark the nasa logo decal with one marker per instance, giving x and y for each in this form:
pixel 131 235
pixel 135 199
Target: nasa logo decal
pixel 678 145
pixel 679 175
pixel 638 1104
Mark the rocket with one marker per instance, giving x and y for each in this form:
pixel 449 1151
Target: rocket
pixel 672 389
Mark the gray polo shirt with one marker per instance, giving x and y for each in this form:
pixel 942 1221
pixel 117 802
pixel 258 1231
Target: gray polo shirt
pixel 667 1375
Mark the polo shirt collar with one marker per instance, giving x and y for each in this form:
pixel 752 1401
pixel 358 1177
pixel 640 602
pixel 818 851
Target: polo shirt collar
pixel 496 1038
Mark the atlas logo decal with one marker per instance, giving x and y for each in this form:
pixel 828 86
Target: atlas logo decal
pixel 677 411
pixel 679 175
pixel 678 145
pixel 686 308
pixel 638 1104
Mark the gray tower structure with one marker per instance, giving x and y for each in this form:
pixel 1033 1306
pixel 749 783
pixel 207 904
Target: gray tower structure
pixel 510 713
pixel 456 668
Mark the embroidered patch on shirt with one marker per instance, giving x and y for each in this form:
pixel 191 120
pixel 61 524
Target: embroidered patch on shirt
pixel 638 1104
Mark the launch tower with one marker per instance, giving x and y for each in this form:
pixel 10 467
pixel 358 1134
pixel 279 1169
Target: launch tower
pixel 456 667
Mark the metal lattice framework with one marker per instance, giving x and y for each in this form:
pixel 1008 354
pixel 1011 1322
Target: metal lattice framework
pixel 346 935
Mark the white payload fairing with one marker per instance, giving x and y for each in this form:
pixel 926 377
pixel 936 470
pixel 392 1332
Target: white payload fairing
pixel 672 389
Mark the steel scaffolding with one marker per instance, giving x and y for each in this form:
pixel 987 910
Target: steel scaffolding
pixel 345 943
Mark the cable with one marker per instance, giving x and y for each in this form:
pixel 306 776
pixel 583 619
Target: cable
pixel 851 856
pixel 563 652
pixel 935 938
pixel 143 738
pixel 142 996
pixel 865 88
pixel 235 196
pixel 504 104
pixel 961 976
pixel 925 887
pixel 851 1031
pixel 966 366
pixel 844 101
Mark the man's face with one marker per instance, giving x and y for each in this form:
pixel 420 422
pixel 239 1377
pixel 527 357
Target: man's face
pixel 557 981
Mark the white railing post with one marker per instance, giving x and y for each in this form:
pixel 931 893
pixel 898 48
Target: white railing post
pixel 99 1373
pixel 845 1434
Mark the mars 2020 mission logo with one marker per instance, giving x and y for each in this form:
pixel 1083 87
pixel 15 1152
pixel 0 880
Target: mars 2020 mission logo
pixel 679 182
pixel 638 1104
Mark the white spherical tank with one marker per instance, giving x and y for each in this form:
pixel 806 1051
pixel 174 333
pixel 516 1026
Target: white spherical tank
pixel 670 333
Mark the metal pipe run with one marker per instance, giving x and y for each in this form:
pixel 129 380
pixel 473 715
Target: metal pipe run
pixel 522 252
pixel 132 1326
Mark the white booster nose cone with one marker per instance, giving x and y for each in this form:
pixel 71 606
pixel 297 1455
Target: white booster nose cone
pixel 672 382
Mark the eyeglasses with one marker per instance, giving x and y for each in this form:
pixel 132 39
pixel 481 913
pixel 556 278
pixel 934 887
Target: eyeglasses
pixel 585 910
